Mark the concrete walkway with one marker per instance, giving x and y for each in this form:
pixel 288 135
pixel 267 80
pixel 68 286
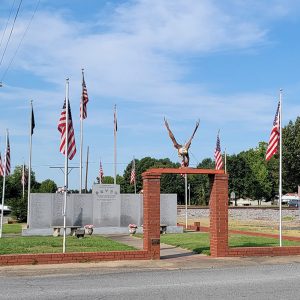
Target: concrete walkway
pixel 166 251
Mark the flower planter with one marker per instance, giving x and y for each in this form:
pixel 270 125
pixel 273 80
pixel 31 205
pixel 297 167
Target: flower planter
pixel 132 231
pixel 88 231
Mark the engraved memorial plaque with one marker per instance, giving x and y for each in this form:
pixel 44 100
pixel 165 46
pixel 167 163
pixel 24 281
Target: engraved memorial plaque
pixel 107 205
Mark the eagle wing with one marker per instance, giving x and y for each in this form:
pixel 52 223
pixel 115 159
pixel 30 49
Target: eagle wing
pixel 171 135
pixel 188 144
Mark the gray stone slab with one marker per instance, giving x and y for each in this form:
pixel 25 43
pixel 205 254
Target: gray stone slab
pixel 37 231
pixel 106 205
pixel 82 209
pixel 131 212
pixel 57 210
pixel 168 209
pixel 40 210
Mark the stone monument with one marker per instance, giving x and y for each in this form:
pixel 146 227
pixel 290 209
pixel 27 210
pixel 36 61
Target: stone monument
pixel 105 208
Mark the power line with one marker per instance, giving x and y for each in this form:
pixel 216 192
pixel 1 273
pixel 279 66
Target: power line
pixel 11 9
pixel 11 31
pixel 24 34
pixel 197 161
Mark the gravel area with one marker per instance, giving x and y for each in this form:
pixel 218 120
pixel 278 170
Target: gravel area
pixel 243 213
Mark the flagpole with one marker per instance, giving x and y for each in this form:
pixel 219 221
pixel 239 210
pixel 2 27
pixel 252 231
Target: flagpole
pixel 23 179
pixel 81 138
pixel 87 168
pixel 115 145
pixel 66 163
pixel 3 187
pixel 29 164
pixel 186 214
pixel 280 168
pixel 189 188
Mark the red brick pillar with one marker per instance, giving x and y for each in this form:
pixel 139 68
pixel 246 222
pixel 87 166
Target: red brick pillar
pixel 151 226
pixel 219 215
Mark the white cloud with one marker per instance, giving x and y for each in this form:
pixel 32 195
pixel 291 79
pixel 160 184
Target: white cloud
pixel 185 26
pixel 139 51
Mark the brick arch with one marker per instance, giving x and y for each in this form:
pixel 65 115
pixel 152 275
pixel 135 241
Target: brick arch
pixel 218 209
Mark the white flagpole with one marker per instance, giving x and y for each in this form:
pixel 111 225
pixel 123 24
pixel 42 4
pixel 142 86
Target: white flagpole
pixel 23 179
pixel 66 163
pixel 186 214
pixel 115 145
pixel 280 168
pixel 87 168
pixel 29 165
pixel 81 138
pixel 3 188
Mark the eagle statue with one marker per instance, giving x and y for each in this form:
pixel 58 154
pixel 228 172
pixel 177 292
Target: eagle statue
pixel 182 149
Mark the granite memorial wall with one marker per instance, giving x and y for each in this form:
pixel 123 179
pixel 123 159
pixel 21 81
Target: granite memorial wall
pixel 105 207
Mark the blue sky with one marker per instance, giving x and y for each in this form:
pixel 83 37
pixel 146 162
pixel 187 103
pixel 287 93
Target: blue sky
pixel 222 62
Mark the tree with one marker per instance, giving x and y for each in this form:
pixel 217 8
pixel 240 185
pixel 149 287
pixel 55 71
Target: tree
pixel 240 175
pixel 291 156
pixel 261 186
pixel 14 193
pixel 200 185
pixel 170 183
pixel 48 186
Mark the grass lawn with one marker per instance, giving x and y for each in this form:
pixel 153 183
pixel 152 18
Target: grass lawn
pixel 50 244
pixel 199 242
pixel 12 228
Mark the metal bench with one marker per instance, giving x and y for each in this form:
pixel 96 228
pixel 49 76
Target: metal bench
pixel 56 229
pixel 79 233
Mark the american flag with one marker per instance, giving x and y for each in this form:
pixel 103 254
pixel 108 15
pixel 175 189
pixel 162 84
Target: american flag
pixel 101 174
pixel 274 136
pixel 218 155
pixel 132 175
pixel 84 100
pixel 7 158
pixel 62 129
pixel 1 167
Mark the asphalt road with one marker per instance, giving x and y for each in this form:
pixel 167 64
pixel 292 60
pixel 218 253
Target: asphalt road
pixel 246 282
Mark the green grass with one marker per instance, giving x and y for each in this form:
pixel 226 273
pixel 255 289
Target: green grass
pixel 238 240
pixel 288 218
pixel 12 228
pixel 199 242
pixel 46 244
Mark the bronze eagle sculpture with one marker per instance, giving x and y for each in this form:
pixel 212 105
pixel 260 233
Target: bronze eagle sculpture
pixel 182 149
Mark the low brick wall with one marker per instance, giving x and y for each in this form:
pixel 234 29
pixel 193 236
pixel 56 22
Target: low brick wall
pixel 263 251
pixel 76 257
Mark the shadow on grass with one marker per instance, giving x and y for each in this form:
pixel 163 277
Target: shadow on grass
pixel 202 250
pixel 176 255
